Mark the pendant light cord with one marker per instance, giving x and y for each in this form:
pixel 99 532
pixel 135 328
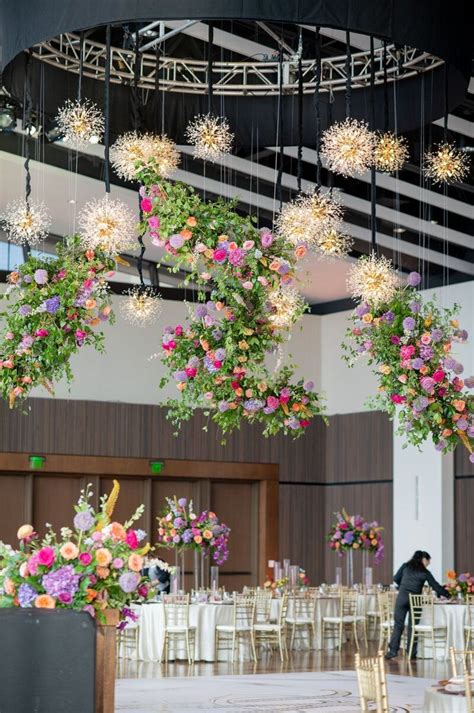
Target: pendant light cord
pixel 28 105
pixel 107 109
pixel 280 130
pixel 317 106
pixel 348 75
pixel 373 184
pixel 136 110
pixel 385 87
pixel 81 65
pixel 445 124
pixel 209 68
pixel 157 102
pixel 300 123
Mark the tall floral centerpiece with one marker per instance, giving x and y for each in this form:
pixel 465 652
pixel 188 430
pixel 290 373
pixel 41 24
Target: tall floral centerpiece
pixel 352 533
pixel 409 344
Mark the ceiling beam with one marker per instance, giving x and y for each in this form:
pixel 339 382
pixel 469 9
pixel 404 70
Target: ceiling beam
pixel 226 40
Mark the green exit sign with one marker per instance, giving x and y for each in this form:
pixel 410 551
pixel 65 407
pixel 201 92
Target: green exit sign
pixel 156 467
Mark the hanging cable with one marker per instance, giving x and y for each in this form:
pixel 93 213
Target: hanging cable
pixel 373 184
pixel 136 111
pixel 317 107
pixel 28 105
pixel 280 129
pixel 157 98
pixel 385 87
pixel 348 75
pixel 329 123
pixel 300 113
pixel 81 65
pixel 446 102
pixel 107 109
pixel 209 68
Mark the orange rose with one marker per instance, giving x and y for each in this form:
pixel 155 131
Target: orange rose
pixel 191 221
pixel 300 252
pixel 9 587
pixel 451 574
pixel 90 304
pixel 90 594
pixel 459 404
pixel 103 557
pixel 207 534
pixel 186 234
pixel 89 254
pixel 135 562
pixel 295 407
pixel 198 539
pixel 274 265
pixel 118 532
pixel 102 572
pixel 447 432
pixel 44 601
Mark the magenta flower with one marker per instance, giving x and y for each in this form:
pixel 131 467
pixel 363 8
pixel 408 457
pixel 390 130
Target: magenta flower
pixel 266 239
pixel 219 255
pixel 85 558
pixel 153 222
pixel 146 205
pixel 46 556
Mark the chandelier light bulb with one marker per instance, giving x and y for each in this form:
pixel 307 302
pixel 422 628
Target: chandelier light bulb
pixel 334 245
pixel 310 216
pixel 391 152
pixel 134 152
pixel 286 303
pixel 446 164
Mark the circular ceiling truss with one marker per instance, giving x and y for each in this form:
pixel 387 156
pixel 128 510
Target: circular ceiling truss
pixel 247 78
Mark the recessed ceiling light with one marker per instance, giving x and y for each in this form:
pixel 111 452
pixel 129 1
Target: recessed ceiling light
pixel 435 222
pixel 399 230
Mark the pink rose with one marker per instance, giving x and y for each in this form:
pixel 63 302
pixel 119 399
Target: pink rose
pixel 190 372
pixel 154 222
pixel 439 376
pixel 247 285
pixel 406 352
pixel 156 240
pixel 132 540
pixel 273 402
pixel 248 244
pixel 266 239
pixel 46 556
pixel 397 399
pixel 178 330
pixel 117 563
pixel 146 205
pixel 85 558
pixel 425 339
pixel 41 333
pixel 427 384
pixel 9 336
pixel 219 255
pixel 441 392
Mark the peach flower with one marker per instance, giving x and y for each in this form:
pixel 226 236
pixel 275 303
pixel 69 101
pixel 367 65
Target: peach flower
pixel 102 572
pixel 103 557
pixel 191 221
pixel 24 532
pixel 9 587
pixel 207 534
pixel 198 539
pixel 118 532
pixel 69 551
pixel 44 601
pixel 300 252
pixel 459 404
pixel 135 562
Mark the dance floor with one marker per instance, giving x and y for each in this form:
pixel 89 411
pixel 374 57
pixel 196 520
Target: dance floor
pixel 329 691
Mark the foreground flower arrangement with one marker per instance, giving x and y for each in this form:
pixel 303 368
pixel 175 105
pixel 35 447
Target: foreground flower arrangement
pixel 247 305
pixel 408 343
pixel 94 566
pixel 460 584
pixel 179 527
pixel 55 304
pixel 353 532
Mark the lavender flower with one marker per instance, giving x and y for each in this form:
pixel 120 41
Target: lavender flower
pixel 182 502
pixel 187 536
pixel 253 405
pixel 193 362
pixel 83 520
pixel 223 406
pixel 52 304
pixel 420 404
pixel 26 595
pixel 217 334
pixel 176 241
pixel 414 279
pixel 436 335
pixel 388 317
pixel 41 277
pixel 180 376
pixel 24 310
pixel 201 311
pixel 417 363
pixel 441 445
pixel 309 386
pixel 449 363
pixel 426 352
pixel 128 581
pixel 408 324
pixel 462 424
pixel 61 581
pixel 458 368
pixel 415 307
pixel 362 309
pixel 26 342
pixel 220 354
pixel 469 382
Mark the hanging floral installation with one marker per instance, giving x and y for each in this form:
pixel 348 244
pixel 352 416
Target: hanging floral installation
pixel 247 304
pixel 408 343
pixel 55 306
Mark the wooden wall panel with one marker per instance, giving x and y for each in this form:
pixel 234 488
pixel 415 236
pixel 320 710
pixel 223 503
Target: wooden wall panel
pixel 15 505
pixel 372 500
pixel 132 494
pixel 301 527
pixel 359 447
pixel 462 464
pixel 463 524
pixel 53 501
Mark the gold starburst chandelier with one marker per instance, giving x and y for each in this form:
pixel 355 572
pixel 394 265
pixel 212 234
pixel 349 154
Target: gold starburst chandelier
pixel 134 152
pixel 334 245
pixel 391 152
pixel 142 306
pixel 306 219
pixel 107 224
pixel 446 164
pixel 26 223
pixel 211 137
pixel 373 280
pixel 348 147
pixel 80 123
pixel 286 306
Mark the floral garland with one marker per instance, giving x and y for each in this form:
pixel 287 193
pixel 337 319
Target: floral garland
pixel 95 565
pixel 56 303
pixel 460 584
pixel 408 343
pixel 352 532
pixel 247 305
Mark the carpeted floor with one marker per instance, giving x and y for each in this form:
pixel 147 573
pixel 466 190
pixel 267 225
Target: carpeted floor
pixel 330 692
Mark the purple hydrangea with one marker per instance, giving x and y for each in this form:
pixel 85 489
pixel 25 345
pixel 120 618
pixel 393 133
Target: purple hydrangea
pixel 420 404
pixel 52 304
pixel 469 382
pixel 415 307
pixel 83 520
pixel 449 363
pixel 436 335
pixel 417 363
pixel 201 311
pixel 458 368
pixel 441 445
pixel 408 324
pixel 128 581
pixel 309 386
pixel 253 405
pixel 293 423
pixel 348 537
pixel 26 342
pixel 462 424
pixel 62 581
pixel 209 364
pixel 223 406
pixel 26 595
pixel 41 277
pixel 193 362
pixel 182 502
pixel 187 536
pixel 388 317
pixel 24 310
pixel 414 279
pixel 178 522
pixel 180 376
pixel 426 352
pixel 362 309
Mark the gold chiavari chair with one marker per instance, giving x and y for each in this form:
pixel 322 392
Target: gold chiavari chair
pixel 301 618
pixel 274 634
pixel 241 628
pixel 422 609
pixel 461 659
pixel 176 625
pixel 385 609
pixel 263 606
pixel 345 622
pixel 469 627
pixel 372 683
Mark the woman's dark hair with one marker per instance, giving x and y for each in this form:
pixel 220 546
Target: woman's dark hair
pixel 416 561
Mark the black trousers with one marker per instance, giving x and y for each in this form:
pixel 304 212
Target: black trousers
pixel 402 608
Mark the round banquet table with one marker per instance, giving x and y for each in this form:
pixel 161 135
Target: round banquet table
pixel 438 701
pixel 205 617
pixel 453 616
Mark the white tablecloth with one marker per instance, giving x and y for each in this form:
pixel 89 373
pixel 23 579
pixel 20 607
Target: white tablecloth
pixel 438 702
pixel 454 618
pixel 205 617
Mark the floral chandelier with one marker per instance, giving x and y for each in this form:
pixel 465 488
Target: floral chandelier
pixel 142 306
pixel 134 152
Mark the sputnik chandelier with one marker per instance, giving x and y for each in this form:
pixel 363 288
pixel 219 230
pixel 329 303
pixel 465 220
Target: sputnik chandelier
pixel 80 123
pixel 334 244
pixel 286 303
pixel 391 152
pixel 133 152
pixel 372 280
pixel 210 136
pixel 446 164
pixel 107 224
pixel 308 218
pixel 142 306
pixel 26 223
pixel 348 147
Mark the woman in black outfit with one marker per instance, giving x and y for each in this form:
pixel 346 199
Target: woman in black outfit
pixel 410 579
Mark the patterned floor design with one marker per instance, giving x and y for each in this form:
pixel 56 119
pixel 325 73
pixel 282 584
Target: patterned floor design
pixel 328 692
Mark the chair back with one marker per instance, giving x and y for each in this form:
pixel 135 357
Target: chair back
pixel 244 611
pixel 348 603
pixel 176 610
pixel 284 601
pixel 462 660
pixel 392 598
pixel 422 605
pixel 263 606
pixel 303 605
pixel 372 682
pixel 384 605
pixel 470 611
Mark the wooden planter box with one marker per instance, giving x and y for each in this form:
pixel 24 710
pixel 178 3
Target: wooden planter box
pixel 52 661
